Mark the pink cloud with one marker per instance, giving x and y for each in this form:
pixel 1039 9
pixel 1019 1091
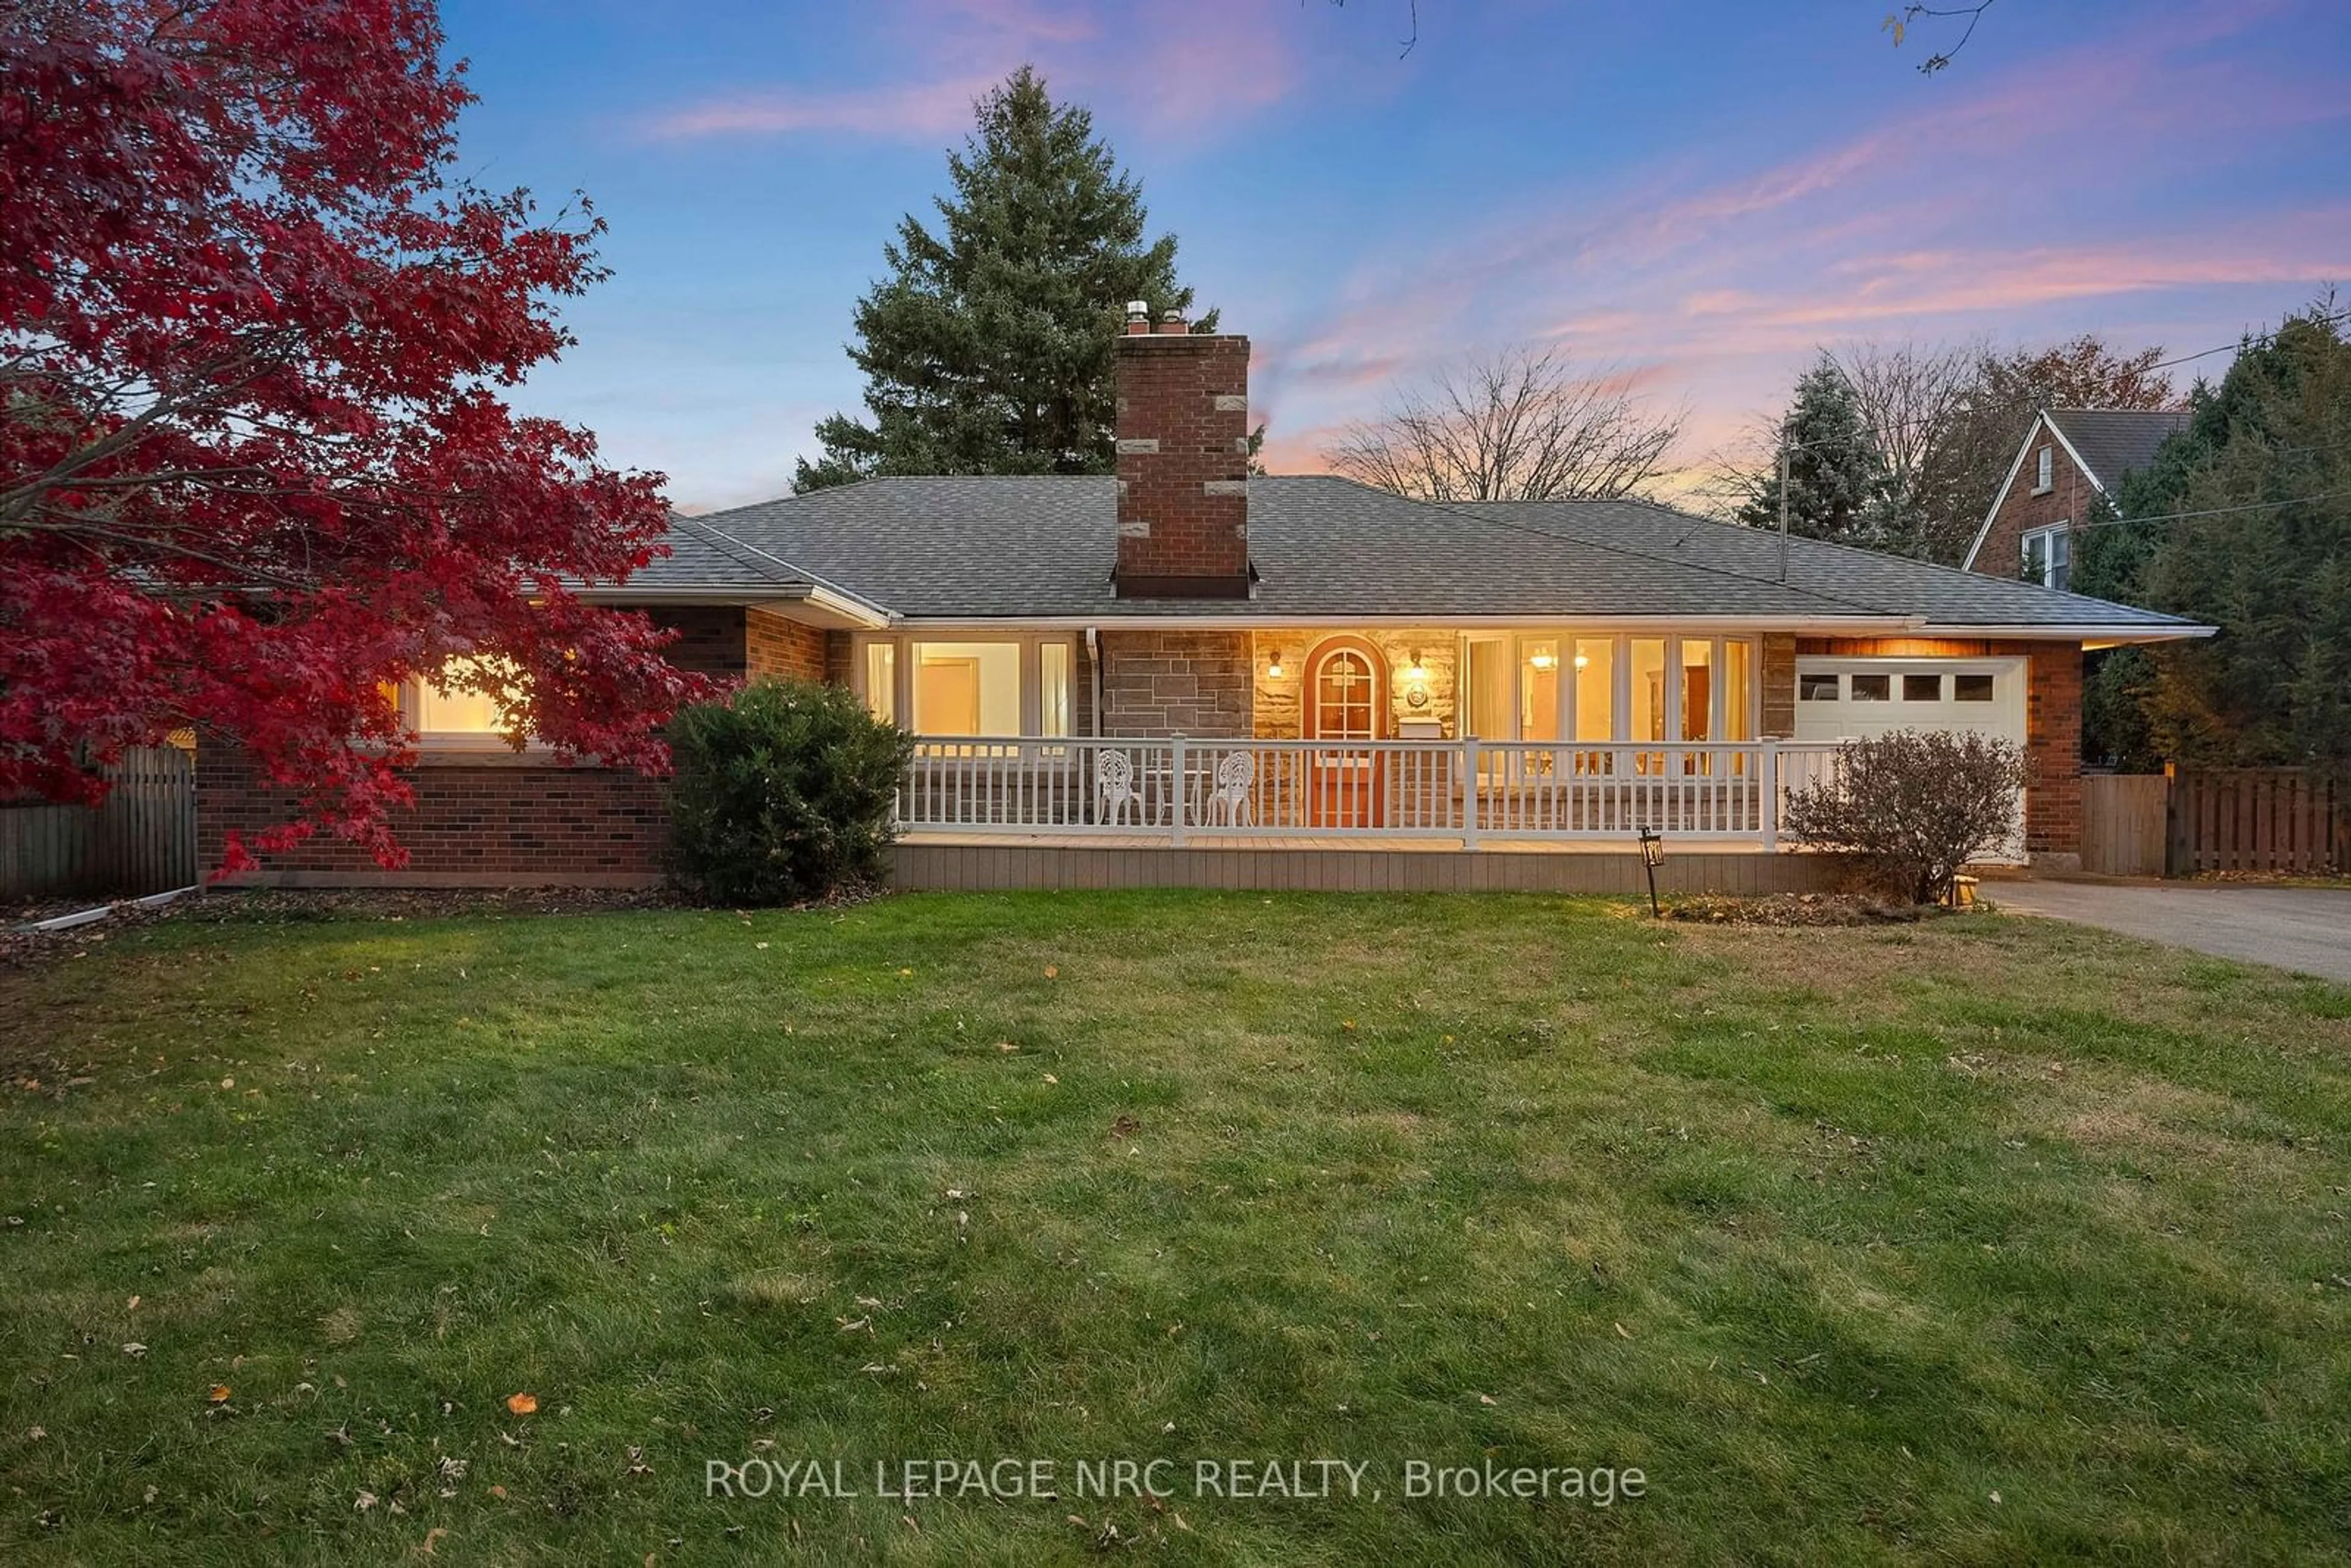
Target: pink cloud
pixel 929 110
pixel 1174 68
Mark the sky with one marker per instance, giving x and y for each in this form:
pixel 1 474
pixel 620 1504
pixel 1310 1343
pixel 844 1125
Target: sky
pixel 1693 196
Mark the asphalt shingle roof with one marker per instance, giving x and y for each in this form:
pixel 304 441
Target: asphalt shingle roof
pixel 990 547
pixel 2113 441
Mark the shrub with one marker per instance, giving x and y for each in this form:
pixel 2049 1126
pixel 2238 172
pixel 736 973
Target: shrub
pixel 1917 805
pixel 783 792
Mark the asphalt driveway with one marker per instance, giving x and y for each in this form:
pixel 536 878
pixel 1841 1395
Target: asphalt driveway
pixel 2303 928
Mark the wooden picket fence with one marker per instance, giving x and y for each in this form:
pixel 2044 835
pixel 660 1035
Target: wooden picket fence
pixel 2258 820
pixel 141 841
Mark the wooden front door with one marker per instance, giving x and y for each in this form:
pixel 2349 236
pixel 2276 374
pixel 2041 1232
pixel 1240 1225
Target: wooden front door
pixel 1345 706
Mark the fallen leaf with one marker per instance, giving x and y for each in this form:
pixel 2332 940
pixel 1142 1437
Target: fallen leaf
pixel 135 1305
pixel 365 1501
pixel 1005 1045
pixel 498 1493
pixel 219 1395
pixel 1050 1079
pixel 432 1538
pixel 1621 1333
pixel 134 1349
pixel 1052 972
pixel 522 1404
pixel 1488 1399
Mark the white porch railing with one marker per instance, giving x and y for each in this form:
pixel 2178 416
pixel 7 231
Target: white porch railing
pixel 1173 787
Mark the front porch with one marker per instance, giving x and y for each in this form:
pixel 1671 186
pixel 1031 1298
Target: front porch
pixel 1434 816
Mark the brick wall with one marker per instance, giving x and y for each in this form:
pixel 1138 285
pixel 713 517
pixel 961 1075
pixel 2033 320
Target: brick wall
pixel 710 637
pixel 1183 464
pixel 2053 728
pixel 2019 510
pixel 489 820
pixel 2052 724
pixel 838 651
pixel 1156 683
pixel 774 647
pixel 503 819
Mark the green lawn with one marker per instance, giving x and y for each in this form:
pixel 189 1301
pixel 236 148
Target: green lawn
pixel 1979 1241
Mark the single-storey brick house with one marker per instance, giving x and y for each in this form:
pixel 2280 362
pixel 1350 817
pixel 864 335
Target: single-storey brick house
pixel 1187 673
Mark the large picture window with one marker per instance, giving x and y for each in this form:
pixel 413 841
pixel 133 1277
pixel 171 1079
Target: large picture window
pixel 972 685
pixel 448 709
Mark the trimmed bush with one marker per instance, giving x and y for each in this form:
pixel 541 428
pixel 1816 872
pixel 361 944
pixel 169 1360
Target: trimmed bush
pixel 783 792
pixel 1918 804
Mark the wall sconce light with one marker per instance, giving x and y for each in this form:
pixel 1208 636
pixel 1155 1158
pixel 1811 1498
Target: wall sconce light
pixel 1543 661
pixel 1273 668
pixel 1416 671
pixel 1582 660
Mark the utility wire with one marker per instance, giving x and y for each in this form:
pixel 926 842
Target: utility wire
pixel 2246 342
pixel 2217 511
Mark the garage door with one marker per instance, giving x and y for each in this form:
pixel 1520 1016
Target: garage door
pixel 1842 699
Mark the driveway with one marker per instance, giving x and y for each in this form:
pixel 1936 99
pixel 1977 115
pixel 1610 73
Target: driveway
pixel 2303 928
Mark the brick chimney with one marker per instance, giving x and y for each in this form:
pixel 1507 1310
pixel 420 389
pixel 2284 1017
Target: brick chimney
pixel 1183 461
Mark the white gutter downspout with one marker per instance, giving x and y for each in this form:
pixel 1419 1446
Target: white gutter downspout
pixel 1093 678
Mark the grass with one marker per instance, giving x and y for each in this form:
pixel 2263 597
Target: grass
pixel 1983 1242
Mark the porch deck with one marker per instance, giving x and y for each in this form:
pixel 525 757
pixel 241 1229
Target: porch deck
pixel 1354 862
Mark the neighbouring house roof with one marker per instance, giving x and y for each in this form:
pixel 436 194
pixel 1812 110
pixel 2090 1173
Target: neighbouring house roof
pixel 2111 442
pixel 1325 547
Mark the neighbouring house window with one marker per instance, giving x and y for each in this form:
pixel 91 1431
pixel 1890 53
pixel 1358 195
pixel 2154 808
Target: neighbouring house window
pixel 1053 688
pixel 1539 691
pixel 1817 688
pixel 2045 471
pixel 966 688
pixel 881 681
pixel 1971 688
pixel 1873 688
pixel 2049 557
pixel 1922 688
pixel 1595 688
pixel 447 708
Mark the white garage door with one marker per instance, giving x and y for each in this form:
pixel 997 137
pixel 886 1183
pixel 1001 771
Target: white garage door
pixel 1841 699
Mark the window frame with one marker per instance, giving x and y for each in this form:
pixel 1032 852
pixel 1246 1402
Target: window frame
pixel 904 658
pixel 408 699
pixel 2055 569
pixel 2045 469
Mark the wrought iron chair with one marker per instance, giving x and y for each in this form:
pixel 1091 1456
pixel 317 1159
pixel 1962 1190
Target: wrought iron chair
pixel 1114 788
pixel 1236 772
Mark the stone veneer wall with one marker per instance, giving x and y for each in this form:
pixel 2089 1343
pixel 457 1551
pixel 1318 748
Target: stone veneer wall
pixel 1279 704
pixel 1158 683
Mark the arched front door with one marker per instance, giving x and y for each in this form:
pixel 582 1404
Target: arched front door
pixel 1346 705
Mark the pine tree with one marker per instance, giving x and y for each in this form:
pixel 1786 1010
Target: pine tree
pixel 1838 484
pixel 987 350
pixel 2243 521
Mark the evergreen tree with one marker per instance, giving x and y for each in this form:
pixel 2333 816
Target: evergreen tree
pixel 987 349
pixel 1838 484
pixel 2266 463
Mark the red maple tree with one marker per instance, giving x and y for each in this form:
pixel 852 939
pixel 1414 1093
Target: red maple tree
pixel 254 465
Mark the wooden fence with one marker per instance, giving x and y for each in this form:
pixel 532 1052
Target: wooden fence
pixel 2125 825
pixel 2258 820
pixel 141 841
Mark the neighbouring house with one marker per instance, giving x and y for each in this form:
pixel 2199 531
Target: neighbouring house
pixel 2069 458
pixel 1185 675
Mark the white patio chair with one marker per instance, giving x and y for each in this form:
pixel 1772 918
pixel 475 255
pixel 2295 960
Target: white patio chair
pixel 1114 788
pixel 1235 773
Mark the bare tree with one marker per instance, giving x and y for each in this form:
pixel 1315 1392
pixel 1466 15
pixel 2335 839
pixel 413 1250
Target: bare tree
pixel 1913 397
pixel 1520 425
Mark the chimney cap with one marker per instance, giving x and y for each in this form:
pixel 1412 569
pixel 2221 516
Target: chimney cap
pixel 1138 317
pixel 1173 321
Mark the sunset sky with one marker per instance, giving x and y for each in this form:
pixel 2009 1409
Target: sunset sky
pixel 1695 195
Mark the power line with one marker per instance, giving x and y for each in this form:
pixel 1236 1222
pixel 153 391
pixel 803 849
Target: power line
pixel 2217 511
pixel 2247 342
